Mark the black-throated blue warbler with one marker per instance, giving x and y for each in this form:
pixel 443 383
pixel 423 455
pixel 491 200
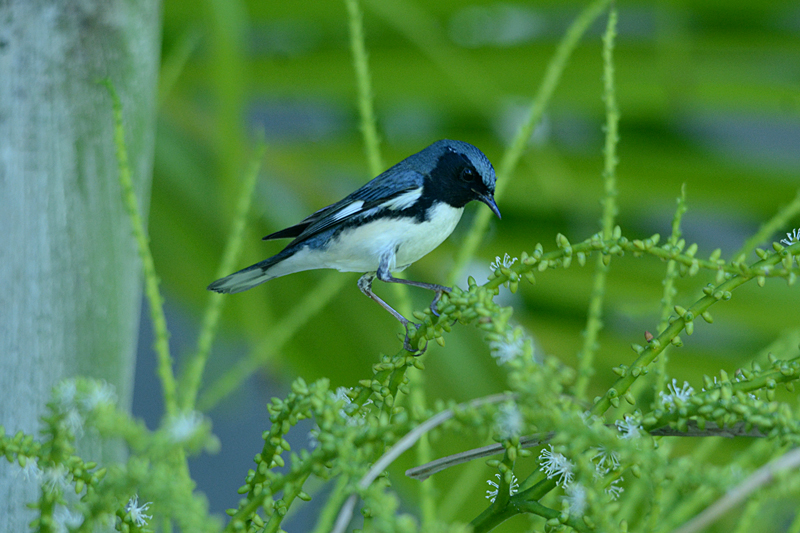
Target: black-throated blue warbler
pixel 384 226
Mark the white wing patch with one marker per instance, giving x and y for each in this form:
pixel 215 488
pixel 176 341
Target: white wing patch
pixel 405 200
pixel 359 248
pixel 355 207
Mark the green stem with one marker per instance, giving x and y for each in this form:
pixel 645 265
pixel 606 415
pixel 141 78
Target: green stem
pixel 174 63
pixel 193 373
pixel 424 453
pixel 154 298
pixel 415 22
pixel 656 346
pixel 504 487
pixel 538 491
pixel 313 302
pixel 328 514
pixel 365 98
pixel 511 158
pixel 670 277
pixel 594 322
pixel 489 520
pixel 534 507
pixel 786 372
pixel 525 501
pixel 609 201
pixel 275 520
pixel 769 228
pixel 542 261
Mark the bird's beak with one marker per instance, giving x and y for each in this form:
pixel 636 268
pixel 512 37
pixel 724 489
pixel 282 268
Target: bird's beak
pixel 489 200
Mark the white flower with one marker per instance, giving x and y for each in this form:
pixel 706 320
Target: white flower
pixel 491 495
pixel 347 412
pixel 66 403
pixel 55 479
pixel 341 394
pixel 713 385
pixel 589 419
pixel 793 237
pixel 510 347
pixel 576 497
pixel 183 426
pixel 313 437
pixel 137 512
pixel 629 428
pixel 73 422
pixel 676 395
pixel 100 393
pixel 344 412
pixel 505 262
pixel 740 379
pixel 65 519
pixel 554 464
pixel 614 490
pixel 509 421
pixel 31 471
pixel 606 461
pixel 65 394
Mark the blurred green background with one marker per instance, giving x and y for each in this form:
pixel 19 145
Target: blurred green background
pixel 709 95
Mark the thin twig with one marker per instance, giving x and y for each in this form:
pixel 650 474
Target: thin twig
pixel 401 446
pixel 365 106
pixel 772 226
pixel 761 477
pixel 669 292
pixel 273 340
pixel 193 373
pixel 594 321
pixel 513 154
pixel 423 472
pixel 154 298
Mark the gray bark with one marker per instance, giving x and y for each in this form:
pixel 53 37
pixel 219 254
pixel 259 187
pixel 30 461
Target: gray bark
pixel 70 272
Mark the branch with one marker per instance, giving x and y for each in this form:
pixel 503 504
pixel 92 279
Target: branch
pixel 154 297
pixel 513 154
pixel 404 444
pixel 594 321
pixel 365 106
pixel 711 430
pixel 423 472
pixel 761 477
pixel 190 380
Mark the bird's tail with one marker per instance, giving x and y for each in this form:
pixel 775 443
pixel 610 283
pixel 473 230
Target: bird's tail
pixel 246 278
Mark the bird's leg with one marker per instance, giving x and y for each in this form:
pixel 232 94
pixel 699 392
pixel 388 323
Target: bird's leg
pixel 365 284
pixel 383 274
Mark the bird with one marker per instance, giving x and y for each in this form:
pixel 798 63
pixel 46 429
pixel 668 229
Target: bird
pixel 386 225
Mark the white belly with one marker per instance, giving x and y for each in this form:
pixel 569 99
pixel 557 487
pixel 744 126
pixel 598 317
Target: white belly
pixel 360 249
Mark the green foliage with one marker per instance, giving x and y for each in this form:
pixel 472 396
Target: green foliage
pixel 611 463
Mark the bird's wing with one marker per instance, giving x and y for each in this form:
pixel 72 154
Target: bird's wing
pixel 397 190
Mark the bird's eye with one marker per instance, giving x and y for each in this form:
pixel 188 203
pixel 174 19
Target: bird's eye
pixel 467 175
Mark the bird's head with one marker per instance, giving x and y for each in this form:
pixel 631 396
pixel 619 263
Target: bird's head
pixel 460 173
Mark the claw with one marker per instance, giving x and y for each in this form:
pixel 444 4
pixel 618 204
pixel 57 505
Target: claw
pixel 436 299
pixel 433 305
pixel 407 343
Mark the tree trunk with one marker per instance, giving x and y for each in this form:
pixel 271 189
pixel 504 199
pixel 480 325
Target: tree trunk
pixel 69 267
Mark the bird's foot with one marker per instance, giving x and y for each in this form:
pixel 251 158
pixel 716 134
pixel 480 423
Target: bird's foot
pixel 441 290
pixel 407 341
